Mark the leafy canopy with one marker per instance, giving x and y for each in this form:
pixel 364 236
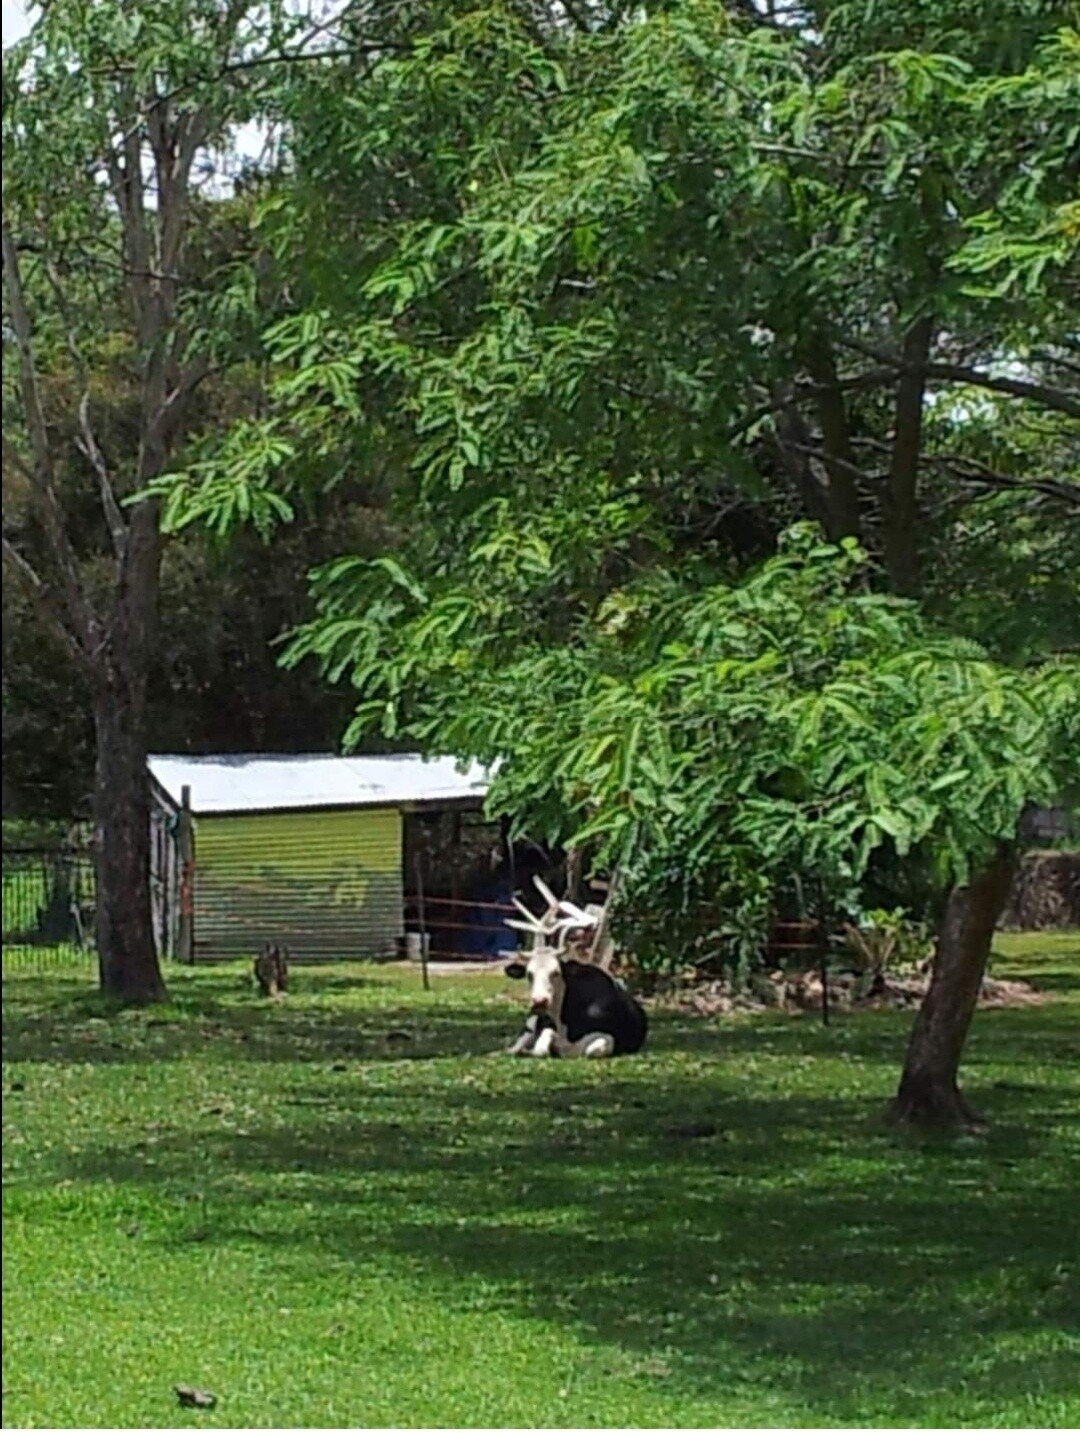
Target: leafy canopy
pixel 591 287
pixel 713 738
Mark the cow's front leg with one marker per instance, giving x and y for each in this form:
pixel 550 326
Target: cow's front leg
pixel 595 1046
pixel 523 1045
pixel 547 1043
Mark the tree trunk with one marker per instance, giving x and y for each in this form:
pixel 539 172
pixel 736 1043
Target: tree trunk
pixel 127 957
pixel 929 1094
pixel 842 511
pixel 900 507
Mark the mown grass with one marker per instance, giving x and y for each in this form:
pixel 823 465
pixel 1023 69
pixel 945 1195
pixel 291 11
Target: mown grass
pixel 337 1210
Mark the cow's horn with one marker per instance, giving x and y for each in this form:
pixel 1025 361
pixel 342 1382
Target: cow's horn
pixel 577 915
pixel 546 892
pixel 534 922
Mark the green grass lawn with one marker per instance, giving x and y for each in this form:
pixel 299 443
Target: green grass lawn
pixel 337 1210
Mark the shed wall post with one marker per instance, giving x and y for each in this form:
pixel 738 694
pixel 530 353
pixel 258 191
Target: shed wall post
pixel 185 836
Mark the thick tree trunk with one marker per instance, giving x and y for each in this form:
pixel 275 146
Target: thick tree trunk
pixel 929 1094
pixel 842 509
pixel 127 957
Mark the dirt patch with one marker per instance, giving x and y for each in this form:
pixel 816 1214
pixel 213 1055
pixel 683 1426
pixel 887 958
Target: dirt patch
pixel 796 991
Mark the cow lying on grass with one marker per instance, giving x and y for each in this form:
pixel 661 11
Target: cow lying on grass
pixel 576 1010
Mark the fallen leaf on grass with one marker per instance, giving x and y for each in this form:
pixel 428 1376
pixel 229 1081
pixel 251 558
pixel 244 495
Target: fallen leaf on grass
pixel 191 1398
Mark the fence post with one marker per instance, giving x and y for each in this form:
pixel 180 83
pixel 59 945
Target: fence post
pixel 823 949
pixel 423 920
pixel 185 841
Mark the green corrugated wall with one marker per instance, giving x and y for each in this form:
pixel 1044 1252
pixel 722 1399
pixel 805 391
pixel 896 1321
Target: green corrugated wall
pixel 327 884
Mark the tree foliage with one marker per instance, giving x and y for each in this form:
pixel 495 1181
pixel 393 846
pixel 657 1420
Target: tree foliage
pixel 714 738
pixel 611 298
pixel 735 266
pixel 620 296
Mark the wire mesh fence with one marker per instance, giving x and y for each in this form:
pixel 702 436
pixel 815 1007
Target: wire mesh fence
pixel 48 909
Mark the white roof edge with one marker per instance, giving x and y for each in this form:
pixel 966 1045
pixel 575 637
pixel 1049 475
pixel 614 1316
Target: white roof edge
pixel 266 782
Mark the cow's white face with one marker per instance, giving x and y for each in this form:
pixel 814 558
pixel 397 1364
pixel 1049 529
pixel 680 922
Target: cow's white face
pixel 547 985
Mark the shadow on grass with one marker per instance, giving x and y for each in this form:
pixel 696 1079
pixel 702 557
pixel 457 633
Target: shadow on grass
pixel 789 1240
pixel 723 1209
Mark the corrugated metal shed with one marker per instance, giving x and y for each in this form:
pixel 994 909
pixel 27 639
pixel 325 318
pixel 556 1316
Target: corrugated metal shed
pixel 261 783
pixel 327 884
pixel 304 850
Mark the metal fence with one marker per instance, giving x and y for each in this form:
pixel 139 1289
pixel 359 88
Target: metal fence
pixel 48 909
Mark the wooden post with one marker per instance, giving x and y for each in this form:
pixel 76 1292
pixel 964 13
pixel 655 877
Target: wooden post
pixel 602 950
pixel 575 870
pixel 454 914
pixel 507 850
pixel 420 917
pixel 823 951
pixel 185 840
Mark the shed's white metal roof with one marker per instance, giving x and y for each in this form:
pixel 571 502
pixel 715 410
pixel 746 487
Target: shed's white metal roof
pixel 257 782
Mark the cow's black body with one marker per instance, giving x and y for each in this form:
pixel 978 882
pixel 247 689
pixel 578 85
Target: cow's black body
pixel 594 1003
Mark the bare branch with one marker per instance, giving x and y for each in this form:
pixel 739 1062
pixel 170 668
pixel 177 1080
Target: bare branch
pixel 1041 393
pixel 971 471
pixel 55 283
pixel 88 445
pixel 1055 360
pixel 176 400
pixel 859 475
pixel 373 51
pixel 793 444
pixel 873 378
pixel 1057 399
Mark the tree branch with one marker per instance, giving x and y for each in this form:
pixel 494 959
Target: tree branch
pixel 794 446
pixel 1053 360
pixel 858 475
pixel 970 470
pixel 87 443
pixel 1056 398
pixel 873 378
pixel 38 593
pixel 88 446
pixel 84 623
pixel 839 458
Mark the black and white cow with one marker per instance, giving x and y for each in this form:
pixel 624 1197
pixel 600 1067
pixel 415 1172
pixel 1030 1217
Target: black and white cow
pixel 576 1009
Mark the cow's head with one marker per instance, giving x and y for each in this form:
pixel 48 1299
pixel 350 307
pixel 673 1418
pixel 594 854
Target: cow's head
pixel 547 981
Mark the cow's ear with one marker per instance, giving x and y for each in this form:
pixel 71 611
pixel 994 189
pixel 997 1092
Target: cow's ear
pixel 515 970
